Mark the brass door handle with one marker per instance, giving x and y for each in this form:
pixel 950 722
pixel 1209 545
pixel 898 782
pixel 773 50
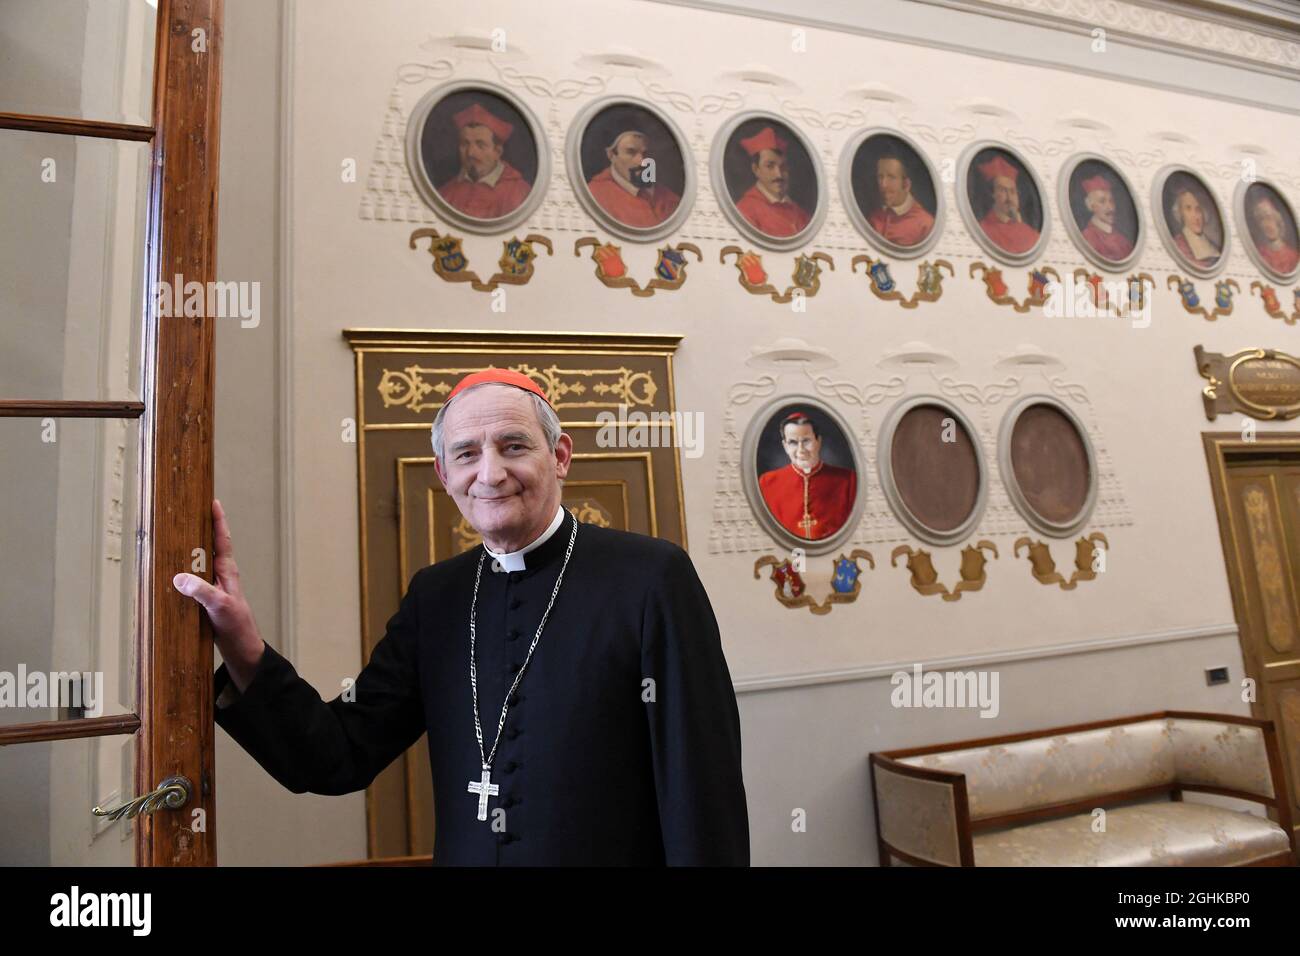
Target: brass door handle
pixel 173 793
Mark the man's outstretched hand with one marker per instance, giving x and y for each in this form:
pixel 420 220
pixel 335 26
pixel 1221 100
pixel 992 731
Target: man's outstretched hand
pixel 236 634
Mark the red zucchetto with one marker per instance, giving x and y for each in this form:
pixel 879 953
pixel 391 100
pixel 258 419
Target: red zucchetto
pixel 502 375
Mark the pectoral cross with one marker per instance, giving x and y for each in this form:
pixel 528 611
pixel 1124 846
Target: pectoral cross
pixel 484 788
pixel 807 524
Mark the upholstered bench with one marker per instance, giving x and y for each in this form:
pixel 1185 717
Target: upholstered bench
pixel 1101 794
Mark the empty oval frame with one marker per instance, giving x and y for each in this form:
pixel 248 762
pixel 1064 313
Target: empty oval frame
pixel 931 469
pixel 1048 465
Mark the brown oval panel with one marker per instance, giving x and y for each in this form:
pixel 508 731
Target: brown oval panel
pixel 1049 462
pixel 937 480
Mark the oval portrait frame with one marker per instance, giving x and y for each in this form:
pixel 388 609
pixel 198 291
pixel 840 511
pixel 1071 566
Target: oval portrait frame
pixel 578 181
pixel 717 176
pixel 1066 212
pixel 1248 241
pixel 1162 227
pixel 885 471
pixel 749 452
pixel 854 210
pixel 429 192
pixel 968 214
pixel 1018 500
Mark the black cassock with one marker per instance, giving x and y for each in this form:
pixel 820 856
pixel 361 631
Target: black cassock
pixel 622 744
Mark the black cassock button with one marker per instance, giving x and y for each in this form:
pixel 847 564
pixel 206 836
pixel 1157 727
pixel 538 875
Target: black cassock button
pixel 512 733
pixel 514 603
pixel 511 767
pixel 506 838
pixel 516 698
pixel 512 634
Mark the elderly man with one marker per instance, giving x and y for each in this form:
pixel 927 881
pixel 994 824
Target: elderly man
pixel 900 219
pixel 1189 216
pixel 767 204
pixel 622 188
pixel 1003 223
pixel 487 187
pixel 570 678
pixel 810 498
pixel 1270 237
pixel 1100 233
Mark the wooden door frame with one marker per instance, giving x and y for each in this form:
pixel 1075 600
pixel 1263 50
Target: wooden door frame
pixel 173 718
pixel 175 652
pixel 1220 448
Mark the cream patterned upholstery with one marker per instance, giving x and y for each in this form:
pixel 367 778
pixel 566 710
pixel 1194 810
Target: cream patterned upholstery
pixel 1004 778
pixel 921 817
pixel 1149 834
pixel 918 817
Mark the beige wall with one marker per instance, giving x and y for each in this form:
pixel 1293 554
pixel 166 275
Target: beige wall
pixel 815 690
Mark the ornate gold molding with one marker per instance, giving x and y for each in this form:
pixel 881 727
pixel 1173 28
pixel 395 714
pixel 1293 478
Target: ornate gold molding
pixel 564 387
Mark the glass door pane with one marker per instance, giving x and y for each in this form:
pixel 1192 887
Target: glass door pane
pixel 47 790
pixel 84 59
pixel 68 568
pixel 71 266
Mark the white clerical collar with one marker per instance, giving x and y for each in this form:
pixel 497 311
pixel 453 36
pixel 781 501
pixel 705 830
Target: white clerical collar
pixel 1201 247
pixel 1103 226
pixel 901 210
pixel 490 179
pixel 514 560
pixel 623 181
pixel 770 197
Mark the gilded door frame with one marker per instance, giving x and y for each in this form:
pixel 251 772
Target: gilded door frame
pixel 1220 449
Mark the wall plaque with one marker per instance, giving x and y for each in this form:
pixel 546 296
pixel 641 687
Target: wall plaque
pixel 1261 383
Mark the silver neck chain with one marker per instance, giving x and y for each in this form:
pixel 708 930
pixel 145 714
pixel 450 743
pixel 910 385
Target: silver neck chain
pixel 473 671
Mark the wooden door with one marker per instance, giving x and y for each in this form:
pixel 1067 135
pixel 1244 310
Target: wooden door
pixel 109 140
pixel 1257 495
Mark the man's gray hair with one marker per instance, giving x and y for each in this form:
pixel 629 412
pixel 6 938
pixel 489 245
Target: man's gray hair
pixel 546 417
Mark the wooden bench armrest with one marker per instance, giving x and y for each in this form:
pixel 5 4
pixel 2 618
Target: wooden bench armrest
pixel 922 815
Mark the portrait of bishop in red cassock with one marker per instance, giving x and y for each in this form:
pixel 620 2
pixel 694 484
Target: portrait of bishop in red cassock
pixel 1003 223
pixel 1273 235
pixel 767 205
pixel 900 219
pixel 809 497
pixel 622 188
pixel 1101 232
pixel 486 187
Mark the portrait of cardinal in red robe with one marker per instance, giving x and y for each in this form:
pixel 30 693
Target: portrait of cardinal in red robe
pixel 767 204
pixel 1102 232
pixel 486 186
pixel 809 497
pixel 898 215
pixel 1273 231
pixel 1004 223
pixel 629 188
